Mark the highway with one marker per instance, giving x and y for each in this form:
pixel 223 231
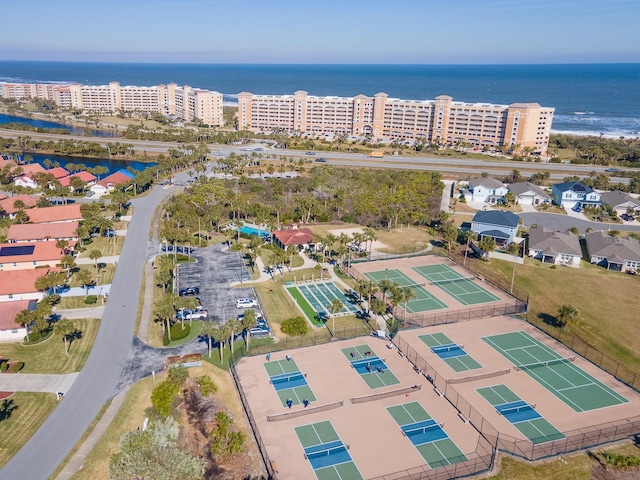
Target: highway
pixel 450 166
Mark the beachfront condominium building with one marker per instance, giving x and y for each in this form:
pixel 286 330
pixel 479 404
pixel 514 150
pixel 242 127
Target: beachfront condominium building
pixel 184 102
pixel 521 126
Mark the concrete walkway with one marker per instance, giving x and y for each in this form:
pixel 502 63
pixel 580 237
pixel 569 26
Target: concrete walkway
pixel 26 382
pixel 87 261
pixel 147 305
pixel 76 313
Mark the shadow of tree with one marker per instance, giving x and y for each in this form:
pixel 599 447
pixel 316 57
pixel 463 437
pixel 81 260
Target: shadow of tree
pixel 549 320
pixel 7 407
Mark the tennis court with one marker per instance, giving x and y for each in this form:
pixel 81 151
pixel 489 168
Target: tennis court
pixel 424 300
pixel 427 435
pixel 328 455
pixel 289 382
pixel 314 300
pixel 370 367
pixel 522 415
pixel 558 374
pixel 463 289
pixel 451 353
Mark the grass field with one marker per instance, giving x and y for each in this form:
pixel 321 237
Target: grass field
pixel 607 302
pixel 49 356
pixel 108 246
pixel 30 410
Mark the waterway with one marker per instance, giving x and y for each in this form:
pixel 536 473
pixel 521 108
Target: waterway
pixel 42 124
pixel 112 165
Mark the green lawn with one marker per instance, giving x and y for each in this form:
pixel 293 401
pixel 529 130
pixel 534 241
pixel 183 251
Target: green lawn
pixel 49 356
pixel 108 246
pixel 27 412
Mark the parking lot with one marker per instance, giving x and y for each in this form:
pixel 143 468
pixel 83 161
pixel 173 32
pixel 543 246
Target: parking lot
pixel 215 268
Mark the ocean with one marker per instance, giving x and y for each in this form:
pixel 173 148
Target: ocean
pixel 590 99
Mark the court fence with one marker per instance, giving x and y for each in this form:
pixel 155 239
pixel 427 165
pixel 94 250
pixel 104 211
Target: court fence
pixel 575 440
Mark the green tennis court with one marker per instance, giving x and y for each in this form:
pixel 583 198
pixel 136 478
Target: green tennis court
pixel 522 415
pixel 289 382
pixel 424 300
pixel 314 298
pixel 463 289
pixel 426 435
pixel 559 375
pixel 328 455
pixel 449 352
pixel 370 367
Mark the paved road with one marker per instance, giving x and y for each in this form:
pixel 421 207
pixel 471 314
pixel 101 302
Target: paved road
pixel 562 223
pixel 95 384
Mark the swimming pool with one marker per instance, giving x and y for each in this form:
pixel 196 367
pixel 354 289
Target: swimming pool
pixel 254 231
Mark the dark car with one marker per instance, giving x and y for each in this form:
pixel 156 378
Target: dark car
pixel 321 160
pixel 189 291
pixel 627 217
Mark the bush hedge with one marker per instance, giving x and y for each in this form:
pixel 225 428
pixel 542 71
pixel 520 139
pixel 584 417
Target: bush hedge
pixel 295 326
pixel 91 299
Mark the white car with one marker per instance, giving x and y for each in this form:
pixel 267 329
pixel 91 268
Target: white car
pixel 246 303
pixel 197 314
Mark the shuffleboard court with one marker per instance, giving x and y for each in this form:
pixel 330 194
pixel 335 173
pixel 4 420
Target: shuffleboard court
pixel 558 374
pixel 522 415
pixel 289 382
pixel 463 289
pixel 328 455
pixel 451 353
pixel 424 300
pixel 314 298
pixel 371 368
pixel 426 435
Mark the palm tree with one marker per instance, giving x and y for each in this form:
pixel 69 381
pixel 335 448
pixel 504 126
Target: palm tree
pixel 84 277
pixel 487 245
pixel 65 328
pixel 370 237
pixel 24 317
pixel 248 322
pixel 223 336
pixel 566 315
pixel 469 236
pixel 210 330
pixel 334 308
pixel 234 327
pixel 96 255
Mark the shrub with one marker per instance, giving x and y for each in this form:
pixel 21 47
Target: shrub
pixel 91 299
pixel 162 397
pixel 207 387
pixel 295 326
pixel 177 333
pixel 4 366
pixel 53 299
pixel 15 367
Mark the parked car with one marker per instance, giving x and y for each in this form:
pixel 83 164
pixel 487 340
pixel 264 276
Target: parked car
pixel 246 303
pixel 260 331
pixel 259 319
pixel 576 208
pixel 109 232
pixel 321 160
pixel 627 217
pixel 193 315
pixel 183 292
pixel 90 193
pixel 185 312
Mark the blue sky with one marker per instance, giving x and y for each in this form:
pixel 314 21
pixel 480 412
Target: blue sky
pixel 323 31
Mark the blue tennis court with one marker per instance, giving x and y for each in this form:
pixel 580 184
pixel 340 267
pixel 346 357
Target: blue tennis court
pixel 289 382
pixel 451 353
pixel 328 455
pixel 372 369
pixel 521 414
pixel 463 289
pixel 426 435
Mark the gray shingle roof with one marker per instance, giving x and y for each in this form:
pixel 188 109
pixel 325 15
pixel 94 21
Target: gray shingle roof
pixel 614 199
pixel 617 250
pixel 552 242
pixel 497 217
pixel 486 182
pixel 523 187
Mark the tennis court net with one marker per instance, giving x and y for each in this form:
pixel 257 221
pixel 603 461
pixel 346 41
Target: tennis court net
pixel 547 363
pixel 515 409
pixel 367 361
pixel 421 430
pixel 288 378
pixel 451 280
pixel 327 451
pixel 446 348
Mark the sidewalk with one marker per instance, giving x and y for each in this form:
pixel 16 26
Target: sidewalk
pixel 26 382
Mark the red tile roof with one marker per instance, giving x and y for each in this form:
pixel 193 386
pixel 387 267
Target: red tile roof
pixel 7 203
pixel 42 231
pixel 31 168
pixel 58 213
pixel 8 312
pixel 84 176
pixel 58 172
pixel 115 179
pixel 296 236
pixel 14 282
pixel 42 252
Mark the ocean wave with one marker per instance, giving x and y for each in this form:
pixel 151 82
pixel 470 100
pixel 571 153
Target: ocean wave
pixel 4 79
pixel 593 133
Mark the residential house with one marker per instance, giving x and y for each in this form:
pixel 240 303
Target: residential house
pixel 573 194
pixel 58 213
pixel 295 237
pixel 25 181
pixel 7 205
pixel 58 173
pixel 621 202
pixel 20 284
pixel 122 176
pixel 551 246
pixel 29 169
pixel 487 189
pixel 527 193
pixel 88 178
pixel 10 331
pixel 620 254
pixel 24 256
pixel 42 232
pixel 501 225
